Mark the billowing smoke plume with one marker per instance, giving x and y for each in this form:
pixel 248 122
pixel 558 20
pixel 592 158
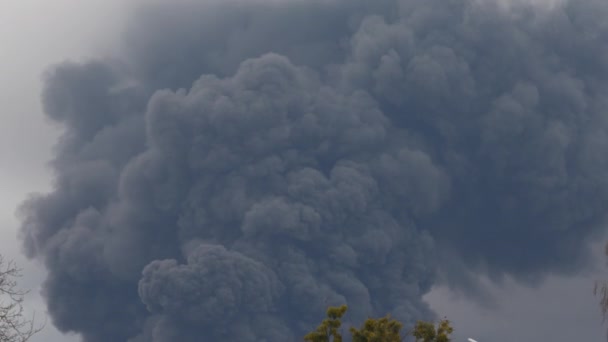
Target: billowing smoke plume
pixel 238 167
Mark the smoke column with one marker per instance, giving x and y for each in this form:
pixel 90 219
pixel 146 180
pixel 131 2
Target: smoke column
pixel 239 166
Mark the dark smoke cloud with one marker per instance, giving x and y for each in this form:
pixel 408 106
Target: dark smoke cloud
pixel 242 166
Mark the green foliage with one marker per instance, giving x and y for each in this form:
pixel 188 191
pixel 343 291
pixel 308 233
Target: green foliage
pixel 426 331
pixel 329 327
pixel 382 329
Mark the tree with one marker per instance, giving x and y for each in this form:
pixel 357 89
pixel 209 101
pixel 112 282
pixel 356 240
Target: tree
pixel 329 327
pixel 383 329
pixel 426 331
pixel 14 326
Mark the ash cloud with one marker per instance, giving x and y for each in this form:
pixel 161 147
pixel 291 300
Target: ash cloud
pixel 239 167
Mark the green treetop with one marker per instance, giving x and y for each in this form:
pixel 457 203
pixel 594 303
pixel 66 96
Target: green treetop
pixel 329 327
pixel 383 329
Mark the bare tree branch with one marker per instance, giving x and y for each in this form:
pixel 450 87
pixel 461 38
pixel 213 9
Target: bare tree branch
pixel 14 326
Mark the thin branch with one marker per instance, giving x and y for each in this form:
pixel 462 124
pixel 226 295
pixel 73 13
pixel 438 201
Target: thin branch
pixel 14 326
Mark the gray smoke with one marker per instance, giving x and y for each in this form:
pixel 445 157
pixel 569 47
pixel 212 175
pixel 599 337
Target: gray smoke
pixel 238 167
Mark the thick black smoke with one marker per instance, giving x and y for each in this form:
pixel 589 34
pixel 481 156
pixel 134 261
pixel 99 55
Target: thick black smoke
pixel 238 167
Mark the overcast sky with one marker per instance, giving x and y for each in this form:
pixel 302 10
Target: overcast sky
pixel 36 33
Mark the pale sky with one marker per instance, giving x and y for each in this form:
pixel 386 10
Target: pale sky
pixel 36 33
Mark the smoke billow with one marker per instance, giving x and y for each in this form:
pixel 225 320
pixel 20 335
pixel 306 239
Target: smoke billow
pixel 238 167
